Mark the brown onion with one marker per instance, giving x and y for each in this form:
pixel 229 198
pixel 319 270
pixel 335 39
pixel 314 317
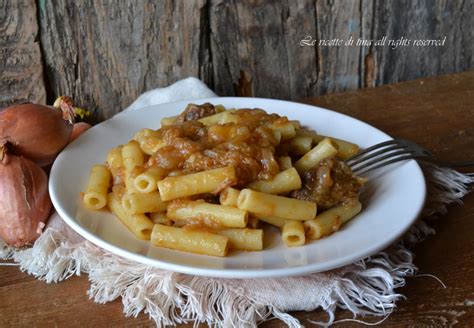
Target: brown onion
pixel 78 129
pixel 24 200
pixel 35 131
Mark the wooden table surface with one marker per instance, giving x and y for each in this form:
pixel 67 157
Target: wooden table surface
pixel 437 113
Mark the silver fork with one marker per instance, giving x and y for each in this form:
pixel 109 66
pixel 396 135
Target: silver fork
pixel 393 151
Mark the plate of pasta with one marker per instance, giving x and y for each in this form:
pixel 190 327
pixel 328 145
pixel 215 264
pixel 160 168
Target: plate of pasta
pixel 234 188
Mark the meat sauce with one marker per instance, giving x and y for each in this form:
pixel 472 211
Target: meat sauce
pixel 329 183
pixel 247 144
pixel 250 146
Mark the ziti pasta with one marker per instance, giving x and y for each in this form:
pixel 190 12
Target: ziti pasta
pixel 209 180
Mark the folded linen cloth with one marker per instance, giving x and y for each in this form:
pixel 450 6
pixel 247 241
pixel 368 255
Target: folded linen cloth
pixel 366 287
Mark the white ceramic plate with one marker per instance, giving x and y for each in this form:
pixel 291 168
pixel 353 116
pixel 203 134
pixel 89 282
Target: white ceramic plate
pixel 391 201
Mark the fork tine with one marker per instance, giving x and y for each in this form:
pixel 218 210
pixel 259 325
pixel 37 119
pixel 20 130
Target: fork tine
pixel 367 150
pixel 374 160
pixel 372 148
pixel 365 169
pixel 374 154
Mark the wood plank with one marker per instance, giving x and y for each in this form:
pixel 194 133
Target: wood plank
pixel 423 20
pixel 21 79
pixel 261 39
pixel 32 303
pixel 105 54
pixel 339 20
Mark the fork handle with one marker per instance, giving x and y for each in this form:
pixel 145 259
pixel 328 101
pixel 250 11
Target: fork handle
pixel 450 164
pixel 462 164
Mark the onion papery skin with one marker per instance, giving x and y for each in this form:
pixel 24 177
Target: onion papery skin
pixel 25 205
pixel 34 131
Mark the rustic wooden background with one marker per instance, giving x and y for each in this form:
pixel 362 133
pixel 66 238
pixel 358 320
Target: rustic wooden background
pixel 105 53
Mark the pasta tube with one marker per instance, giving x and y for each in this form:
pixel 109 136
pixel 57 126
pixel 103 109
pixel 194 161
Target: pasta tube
pixel 210 215
pixel 143 203
pixel 348 211
pixel 331 220
pixel 222 133
pixel 229 196
pixel 148 181
pixel 168 120
pixel 326 148
pixel 160 218
pixel 211 181
pixel 219 108
pixel 277 136
pixel 286 128
pixel 140 135
pixel 190 240
pixel 224 117
pixel 132 157
pixel 292 233
pixel 139 224
pixel 115 163
pixel 281 183
pixel 300 145
pixel 296 124
pixel 95 196
pixel 309 133
pixel 244 239
pixel 346 149
pixel 273 220
pixel 285 163
pixel 149 141
pixel 271 205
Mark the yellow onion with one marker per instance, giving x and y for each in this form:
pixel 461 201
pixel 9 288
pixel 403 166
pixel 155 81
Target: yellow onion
pixel 24 200
pixel 35 131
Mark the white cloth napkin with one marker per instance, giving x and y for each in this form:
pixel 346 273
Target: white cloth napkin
pixel 186 89
pixel 365 288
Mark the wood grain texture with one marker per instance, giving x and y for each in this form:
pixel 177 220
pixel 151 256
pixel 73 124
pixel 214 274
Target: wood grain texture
pixel 260 38
pixel 105 53
pixel 433 112
pixel 423 19
pixel 21 77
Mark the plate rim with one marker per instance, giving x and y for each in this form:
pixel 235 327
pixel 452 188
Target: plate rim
pixel 232 273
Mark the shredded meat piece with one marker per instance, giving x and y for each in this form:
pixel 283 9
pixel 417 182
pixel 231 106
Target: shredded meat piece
pixel 195 112
pixel 329 183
